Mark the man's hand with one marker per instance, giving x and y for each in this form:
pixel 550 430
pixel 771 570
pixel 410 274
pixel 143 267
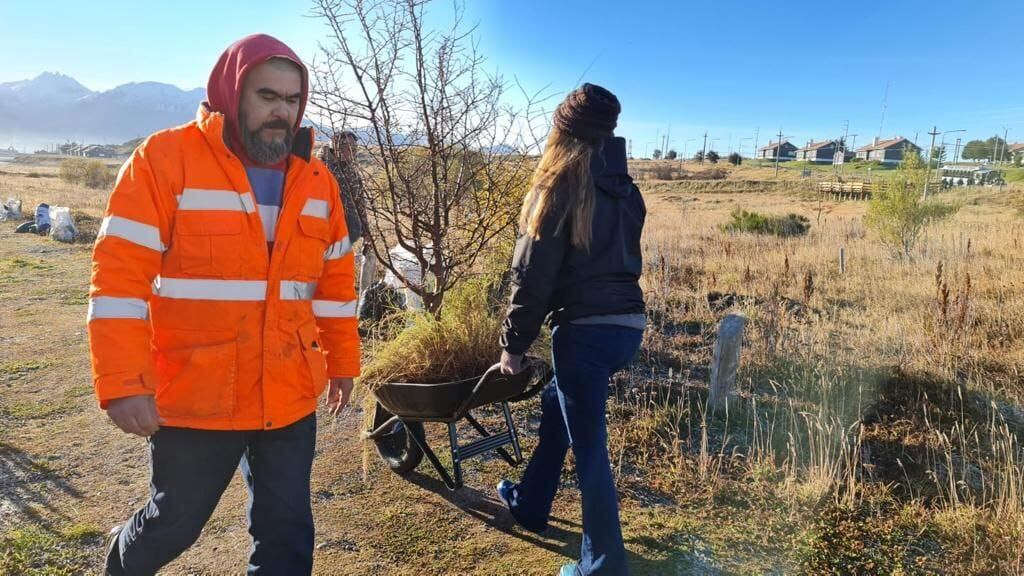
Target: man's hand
pixel 135 414
pixel 511 363
pixel 339 390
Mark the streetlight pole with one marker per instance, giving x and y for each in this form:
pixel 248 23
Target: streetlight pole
pixel 740 145
pixel 928 167
pixel 684 157
pixel 778 152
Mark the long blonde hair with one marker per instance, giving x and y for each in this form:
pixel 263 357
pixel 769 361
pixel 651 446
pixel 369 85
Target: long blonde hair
pixel 561 181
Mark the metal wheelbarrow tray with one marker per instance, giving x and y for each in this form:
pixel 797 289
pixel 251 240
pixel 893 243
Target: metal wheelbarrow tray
pixel 402 408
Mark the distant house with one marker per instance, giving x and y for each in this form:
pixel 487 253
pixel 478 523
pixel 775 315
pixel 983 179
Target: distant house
pixel 887 151
pixel 824 151
pixel 1017 152
pixel 98 151
pixel 88 150
pixel 773 150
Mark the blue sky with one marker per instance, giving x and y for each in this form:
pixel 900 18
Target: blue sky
pixel 729 68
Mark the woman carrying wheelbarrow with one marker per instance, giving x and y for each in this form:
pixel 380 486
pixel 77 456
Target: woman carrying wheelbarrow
pixel 578 264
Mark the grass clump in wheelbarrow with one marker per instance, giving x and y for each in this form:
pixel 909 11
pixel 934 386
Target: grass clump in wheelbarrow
pixel 434 371
pixel 461 343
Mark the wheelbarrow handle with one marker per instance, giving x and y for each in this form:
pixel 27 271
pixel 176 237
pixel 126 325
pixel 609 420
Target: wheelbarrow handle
pixel 543 375
pixel 531 363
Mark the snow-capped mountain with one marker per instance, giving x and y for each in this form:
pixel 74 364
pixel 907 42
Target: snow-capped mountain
pixel 47 87
pixel 54 108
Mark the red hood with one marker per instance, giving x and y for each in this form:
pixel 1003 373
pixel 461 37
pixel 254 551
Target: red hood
pixel 224 89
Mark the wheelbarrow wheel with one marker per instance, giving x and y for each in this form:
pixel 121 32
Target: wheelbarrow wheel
pixel 396 447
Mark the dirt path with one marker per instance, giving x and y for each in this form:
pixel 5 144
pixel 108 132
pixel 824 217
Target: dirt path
pixel 65 470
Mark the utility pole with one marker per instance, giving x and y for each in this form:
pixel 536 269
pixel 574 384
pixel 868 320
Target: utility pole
pixel 705 149
pixel 1006 134
pixel 664 147
pixel 956 152
pixel 885 105
pixel 739 146
pixel 778 150
pixel 838 163
pixel 684 156
pixel 757 132
pixel 928 167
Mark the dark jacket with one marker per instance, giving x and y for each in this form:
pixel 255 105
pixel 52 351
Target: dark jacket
pixel 351 186
pixel 554 280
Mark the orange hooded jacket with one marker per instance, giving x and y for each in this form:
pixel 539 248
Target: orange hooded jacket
pixel 186 302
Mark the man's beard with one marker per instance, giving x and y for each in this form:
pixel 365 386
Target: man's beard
pixel 261 151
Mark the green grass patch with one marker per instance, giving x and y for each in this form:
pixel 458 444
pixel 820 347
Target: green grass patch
pixel 1014 175
pixel 756 223
pixel 24 264
pixel 77 391
pixel 70 297
pixel 32 551
pixel 856 541
pixel 36 410
pixel 21 368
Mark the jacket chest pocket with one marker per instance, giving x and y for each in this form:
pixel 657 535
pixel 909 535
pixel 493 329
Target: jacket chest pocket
pixel 307 248
pixel 209 244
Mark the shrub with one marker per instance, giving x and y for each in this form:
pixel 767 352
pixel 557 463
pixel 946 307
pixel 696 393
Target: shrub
pixel 897 213
pixel 709 174
pixel 713 157
pixel 90 173
pixel 848 541
pixel 662 172
pixel 735 159
pixel 755 223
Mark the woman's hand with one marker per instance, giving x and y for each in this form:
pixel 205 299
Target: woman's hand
pixel 511 363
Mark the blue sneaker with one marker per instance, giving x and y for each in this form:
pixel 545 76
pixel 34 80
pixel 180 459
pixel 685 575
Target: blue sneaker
pixel 509 495
pixel 569 569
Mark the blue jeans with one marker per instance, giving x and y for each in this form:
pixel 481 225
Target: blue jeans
pixel 573 414
pixel 190 471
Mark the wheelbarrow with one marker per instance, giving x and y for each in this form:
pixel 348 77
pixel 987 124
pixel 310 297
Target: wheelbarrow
pixel 403 408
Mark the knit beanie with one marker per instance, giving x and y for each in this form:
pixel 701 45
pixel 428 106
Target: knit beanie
pixel 589 113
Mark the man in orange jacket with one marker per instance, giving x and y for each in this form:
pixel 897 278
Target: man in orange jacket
pixel 222 305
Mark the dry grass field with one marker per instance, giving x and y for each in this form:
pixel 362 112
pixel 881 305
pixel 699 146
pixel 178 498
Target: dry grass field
pixel 875 430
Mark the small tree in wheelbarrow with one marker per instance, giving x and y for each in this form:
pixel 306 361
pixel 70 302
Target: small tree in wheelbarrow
pixel 445 162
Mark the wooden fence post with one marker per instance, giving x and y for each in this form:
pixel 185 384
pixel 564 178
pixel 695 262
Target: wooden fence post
pixel 726 359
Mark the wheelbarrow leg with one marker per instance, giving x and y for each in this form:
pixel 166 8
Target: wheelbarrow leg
pixel 421 441
pixel 453 439
pixel 483 432
pixel 512 433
